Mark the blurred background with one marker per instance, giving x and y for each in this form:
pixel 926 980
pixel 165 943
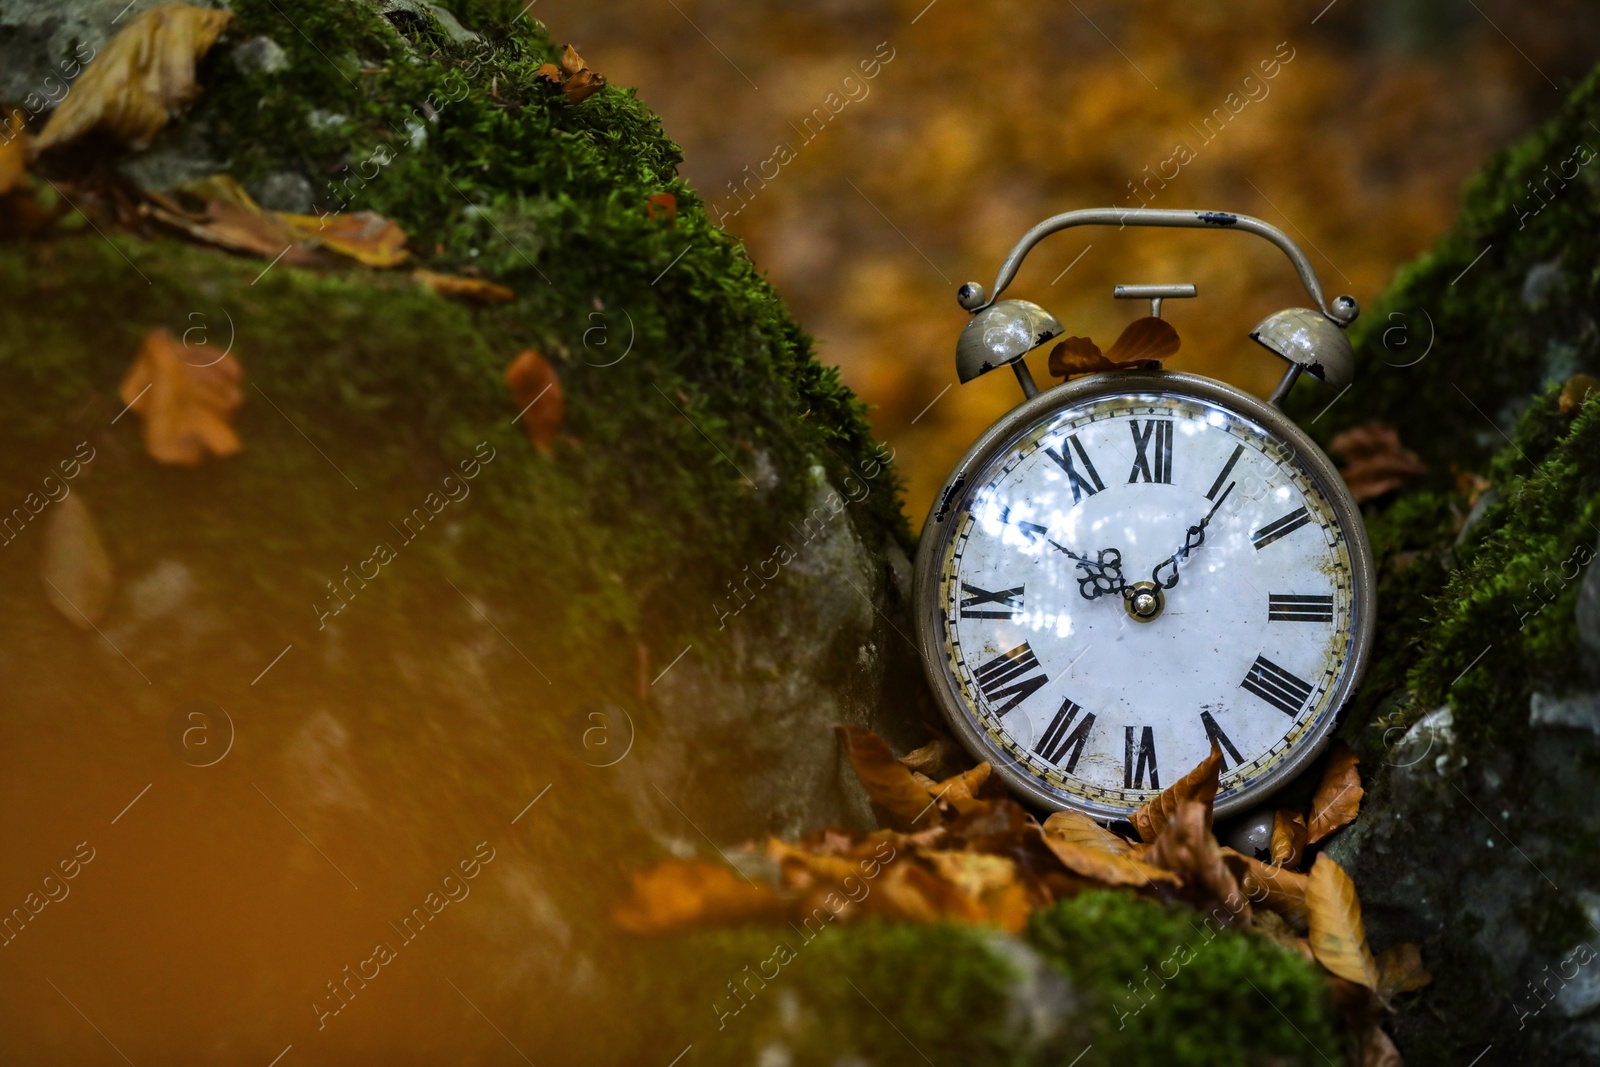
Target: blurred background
pixel 1350 125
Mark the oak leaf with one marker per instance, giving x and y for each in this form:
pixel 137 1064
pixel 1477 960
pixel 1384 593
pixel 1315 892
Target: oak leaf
pixel 1375 462
pixel 187 408
pixel 74 565
pixel 1143 344
pixel 1338 937
pixel 470 290
pixel 147 71
pixel 676 895
pixel 1086 848
pixel 1338 797
pixel 537 392
pixel 1198 785
pixel 887 781
pixel 1288 837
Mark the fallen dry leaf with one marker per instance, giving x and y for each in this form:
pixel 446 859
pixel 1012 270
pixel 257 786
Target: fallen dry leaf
pixel 675 895
pixel 1337 936
pixel 887 781
pixel 1288 837
pixel 1270 886
pixel 13 154
pixel 471 290
pixel 576 80
pixel 940 758
pixel 960 791
pixel 1186 847
pixel 1375 462
pixel 187 409
pixel 1574 391
pixel 1143 344
pixel 1378 1049
pixel 661 206
pixel 537 391
pixel 1277 927
pixel 1400 969
pixel 74 564
pixel 1199 785
pixel 1338 796
pixel 912 892
pixel 147 71
pixel 364 236
pixel 1086 848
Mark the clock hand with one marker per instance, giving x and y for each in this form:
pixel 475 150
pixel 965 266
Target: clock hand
pixel 1193 539
pixel 1102 575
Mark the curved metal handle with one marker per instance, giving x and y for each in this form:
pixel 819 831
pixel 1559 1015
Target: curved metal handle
pixel 1213 220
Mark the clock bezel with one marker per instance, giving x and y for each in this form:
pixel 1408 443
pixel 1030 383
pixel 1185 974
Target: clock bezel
pixel 956 495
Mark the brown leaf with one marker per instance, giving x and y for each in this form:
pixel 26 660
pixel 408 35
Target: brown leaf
pixel 1185 847
pixel 1277 927
pixel 1077 355
pixel 364 236
pixel 13 153
pixel 675 895
pixel 1378 1049
pixel 912 892
pixel 890 785
pixel 576 80
pixel 1146 340
pixel 470 290
pixel 147 71
pixel 187 407
pixel 1337 936
pixel 537 392
pixel 1288 837
pixel 74 565
pixel 1375 462
pixel 939 757
pixel 1338 796
pixel 1270 886
pixel 1086 848
pixel 960 791
pixel 661 206
pixel 571 62
pixel 1400 969
pixel 1573 393
pixel 1199 785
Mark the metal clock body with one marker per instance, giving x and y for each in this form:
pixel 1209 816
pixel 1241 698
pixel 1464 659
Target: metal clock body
pixel 1134 566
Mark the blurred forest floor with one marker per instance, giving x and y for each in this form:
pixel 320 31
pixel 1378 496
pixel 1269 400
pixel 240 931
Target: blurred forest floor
pixel 869 207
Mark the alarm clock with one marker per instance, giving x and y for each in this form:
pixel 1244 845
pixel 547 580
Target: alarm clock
pixel 1138 565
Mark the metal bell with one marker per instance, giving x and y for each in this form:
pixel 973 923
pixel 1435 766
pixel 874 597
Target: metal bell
pixel 1002 333
pixel 1310 340
pixel 1251 833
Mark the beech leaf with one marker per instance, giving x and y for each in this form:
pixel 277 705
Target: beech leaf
pixel 1186 847
pixel 1198 785
pixel 1146 340
pixel 1088 849
pixel 1338 796
pixel 573 76
pixel 1375 462
pixel 364 236
pixel 1338 938
pixel 470 290
pixel 74 565
pixel 961 790
pixel 1270 886
pixel 537 392
pixel 676 895
pixel 909 805
pixel 1288 837
pixel 187 407
pixel 135 83
pixel 1400 969
pixel 13 153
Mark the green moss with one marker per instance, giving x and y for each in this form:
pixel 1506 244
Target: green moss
pixel 1162 986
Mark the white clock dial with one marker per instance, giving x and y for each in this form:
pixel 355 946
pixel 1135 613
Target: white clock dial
pixel 1133 578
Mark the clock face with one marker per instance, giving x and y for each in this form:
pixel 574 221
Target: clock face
pixel 1133 577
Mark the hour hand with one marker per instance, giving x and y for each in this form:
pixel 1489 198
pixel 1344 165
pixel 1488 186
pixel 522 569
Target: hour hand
pixel 1101 576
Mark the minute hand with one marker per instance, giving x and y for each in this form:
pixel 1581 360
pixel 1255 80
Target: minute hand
pixel 1193 539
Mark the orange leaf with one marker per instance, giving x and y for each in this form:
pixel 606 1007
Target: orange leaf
pixel 1270 885
pixel 582 85
pixel 675 895
pixel 661 206
pixel 1375 461
pixel 1338 796
pixel 961 790
pixel 1199 785
pixel 1337 936
pixel 1085 847
pixel 1146 340
pixel 940 754
pixel 1400 969
pixel 471 290
pixel 364 236
pixel 187 407
pixel 909 805
pixel 912 892
pixel 1185 846
pixel 147 71
pixel 1288 837
pixel 537 391
pixel 13 153
pixel 1077 355
pixel 1574 391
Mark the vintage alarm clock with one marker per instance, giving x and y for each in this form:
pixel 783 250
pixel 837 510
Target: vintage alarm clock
pixel 1135 564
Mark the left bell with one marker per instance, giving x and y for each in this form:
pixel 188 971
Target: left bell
pixel 1003 333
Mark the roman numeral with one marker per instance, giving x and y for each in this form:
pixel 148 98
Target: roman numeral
pixel 1081 486
pixel 1277 686
pixel 1031 530
pixel 1008 675
pixel 1148 468
pixel 1227 469
pixel 1279 528
pixel 1133 775
pixel 1286 607
pixel 1214 733
pixel 1056 741
pixel 1009 599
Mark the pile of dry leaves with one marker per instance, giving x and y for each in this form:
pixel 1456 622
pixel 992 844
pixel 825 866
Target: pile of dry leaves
pixel 961 850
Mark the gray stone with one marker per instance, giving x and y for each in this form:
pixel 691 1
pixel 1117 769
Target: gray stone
pixel 421 10
pixel 1539 284
pixel 284 191
pixel 1579 710
pixel 261 55
pixel 1587 611
pixel 180 154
